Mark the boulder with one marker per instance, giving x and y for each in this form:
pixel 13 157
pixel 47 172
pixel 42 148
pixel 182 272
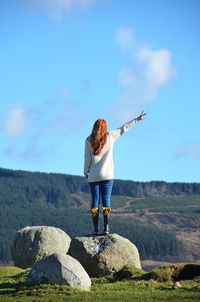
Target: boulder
pixel 59 269
pixel 32 244
pixel 102 255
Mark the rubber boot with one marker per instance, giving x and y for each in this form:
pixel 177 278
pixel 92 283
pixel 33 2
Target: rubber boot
pixel 95 220
pixel 106 217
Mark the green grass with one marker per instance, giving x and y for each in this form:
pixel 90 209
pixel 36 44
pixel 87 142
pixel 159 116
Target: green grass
pixel 118 202
pixel 180 204
pixel 127 285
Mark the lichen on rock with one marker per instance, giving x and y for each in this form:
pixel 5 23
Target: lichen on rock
pixel 102 255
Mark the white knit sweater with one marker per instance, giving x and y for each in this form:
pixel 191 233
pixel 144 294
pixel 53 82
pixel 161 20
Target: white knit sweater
pixel 101 167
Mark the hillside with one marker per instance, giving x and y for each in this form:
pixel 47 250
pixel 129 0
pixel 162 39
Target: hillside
pixel 160 218
pixel 52 187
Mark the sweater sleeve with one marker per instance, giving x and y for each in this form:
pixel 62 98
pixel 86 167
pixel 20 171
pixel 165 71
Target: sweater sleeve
pixel 87 157
pixel 118 132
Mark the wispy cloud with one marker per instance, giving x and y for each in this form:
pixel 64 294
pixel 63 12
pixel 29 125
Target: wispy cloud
pixel 33 132
pixel 29 152
pixel 86 84
pixel 124 38
pixel 17 122
pixel 56 9
pixel 59 115
pixel 150 69
pixel 188 149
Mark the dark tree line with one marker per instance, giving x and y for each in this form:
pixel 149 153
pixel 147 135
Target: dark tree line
pixel 52 188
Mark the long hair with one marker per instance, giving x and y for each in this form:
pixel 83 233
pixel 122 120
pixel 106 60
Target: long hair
pixel 98 136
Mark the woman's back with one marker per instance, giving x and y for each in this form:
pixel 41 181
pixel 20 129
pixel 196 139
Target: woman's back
pixel 102 166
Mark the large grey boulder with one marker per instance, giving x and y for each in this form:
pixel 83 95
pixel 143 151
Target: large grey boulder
pixel 32 244
pixel 102 255
pixel 59 269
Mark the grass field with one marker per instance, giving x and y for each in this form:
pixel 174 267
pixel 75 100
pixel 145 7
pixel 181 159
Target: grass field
pixel 128 285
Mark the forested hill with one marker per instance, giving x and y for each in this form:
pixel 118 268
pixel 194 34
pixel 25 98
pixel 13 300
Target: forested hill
pixel 145 213
pixel 52 188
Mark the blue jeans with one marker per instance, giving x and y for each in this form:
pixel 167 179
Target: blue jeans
pixel 101 189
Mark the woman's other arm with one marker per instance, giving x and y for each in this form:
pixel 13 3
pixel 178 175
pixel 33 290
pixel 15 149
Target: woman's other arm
pixel 87 159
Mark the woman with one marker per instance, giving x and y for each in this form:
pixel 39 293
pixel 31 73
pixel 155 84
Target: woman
pixel 99 167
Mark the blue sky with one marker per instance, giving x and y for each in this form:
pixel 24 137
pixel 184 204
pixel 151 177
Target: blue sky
pixel 65 63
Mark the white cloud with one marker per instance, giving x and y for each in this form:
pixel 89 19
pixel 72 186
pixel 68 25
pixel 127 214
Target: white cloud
pixel 55 9
pixel 188 149
pixel 39 129
pixel 156 66
pixel 127 77
pixel 124 37
pixel 57 115
pixel 17 122
pixel 150 70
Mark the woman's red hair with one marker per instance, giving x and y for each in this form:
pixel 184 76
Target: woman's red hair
pixel 98 136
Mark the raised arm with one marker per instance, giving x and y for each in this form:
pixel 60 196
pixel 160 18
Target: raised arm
pixel 118 132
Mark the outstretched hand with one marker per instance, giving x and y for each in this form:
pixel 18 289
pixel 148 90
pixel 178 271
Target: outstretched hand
pixel 141 116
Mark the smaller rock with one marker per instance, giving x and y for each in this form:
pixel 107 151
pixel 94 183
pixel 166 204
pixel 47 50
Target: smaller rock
pixel 59 269
pixel 176 285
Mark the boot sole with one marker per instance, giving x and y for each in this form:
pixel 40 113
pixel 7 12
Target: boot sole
pixel 95 233
pixel 106 233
